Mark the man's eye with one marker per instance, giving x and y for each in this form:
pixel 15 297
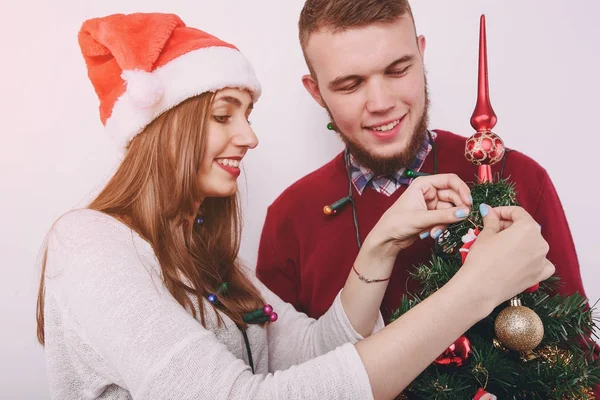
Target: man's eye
pixel 350 88
pixel 398 72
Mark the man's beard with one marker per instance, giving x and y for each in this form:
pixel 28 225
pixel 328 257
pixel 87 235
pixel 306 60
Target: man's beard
pixel 391 164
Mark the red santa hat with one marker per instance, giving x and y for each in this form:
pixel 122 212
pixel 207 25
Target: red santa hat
pixel 142 65
pixel 484 395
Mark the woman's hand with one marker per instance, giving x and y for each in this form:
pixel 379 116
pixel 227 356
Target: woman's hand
pixel 426 208
pixel 508 256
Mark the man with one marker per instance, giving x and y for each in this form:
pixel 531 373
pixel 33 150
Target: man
pixel 366 69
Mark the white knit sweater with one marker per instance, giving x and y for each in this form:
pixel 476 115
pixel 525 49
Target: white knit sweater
pixel 113 331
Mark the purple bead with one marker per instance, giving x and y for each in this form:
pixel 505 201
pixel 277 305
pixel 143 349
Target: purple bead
pixel 213 299
pixel 199 220
pixel 273 317
pixel 267 309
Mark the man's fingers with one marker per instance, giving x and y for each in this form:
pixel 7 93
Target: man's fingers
pixel 451 196
pixel 444 181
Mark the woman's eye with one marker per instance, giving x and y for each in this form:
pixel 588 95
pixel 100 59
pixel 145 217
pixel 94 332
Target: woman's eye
pixel 221 118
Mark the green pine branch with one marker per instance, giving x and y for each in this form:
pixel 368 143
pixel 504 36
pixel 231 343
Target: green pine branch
pixel 495 194
pixel 568 321
pixel 564 317
pixel 436 274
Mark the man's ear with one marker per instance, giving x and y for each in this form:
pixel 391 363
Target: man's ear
pixel 312 87
pixel 421 43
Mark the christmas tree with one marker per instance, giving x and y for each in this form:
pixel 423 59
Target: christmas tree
pixel 536 346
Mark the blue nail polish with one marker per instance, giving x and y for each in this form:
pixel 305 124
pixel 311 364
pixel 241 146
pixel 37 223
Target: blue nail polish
pixel 483 209
pixel 461 213
pixel 471 199
pixel 437 234
pixel 424 235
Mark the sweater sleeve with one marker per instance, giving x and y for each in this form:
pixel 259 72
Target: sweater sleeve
pixel 555 229
pixel 278 261
pixel 550 214
pixel 296 338
pixel 123 312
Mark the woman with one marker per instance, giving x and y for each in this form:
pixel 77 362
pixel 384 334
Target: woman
pixel 142 295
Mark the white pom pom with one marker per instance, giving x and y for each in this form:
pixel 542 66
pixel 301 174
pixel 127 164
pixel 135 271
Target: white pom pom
pixel 469 236
pixel 144 88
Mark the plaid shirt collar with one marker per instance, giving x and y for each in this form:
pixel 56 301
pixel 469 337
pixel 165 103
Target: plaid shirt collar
pixel 388 184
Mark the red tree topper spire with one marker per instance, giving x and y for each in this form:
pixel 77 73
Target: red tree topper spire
pixel 483 118
pixel 484 148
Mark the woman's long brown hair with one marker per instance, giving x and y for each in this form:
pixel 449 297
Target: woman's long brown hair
pixel 154 191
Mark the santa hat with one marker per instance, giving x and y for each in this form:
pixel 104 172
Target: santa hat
pixel 142 65
pixel 484 395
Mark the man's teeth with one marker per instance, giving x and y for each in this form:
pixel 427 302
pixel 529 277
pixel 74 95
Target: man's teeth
pixel 387 127
pixel 228 162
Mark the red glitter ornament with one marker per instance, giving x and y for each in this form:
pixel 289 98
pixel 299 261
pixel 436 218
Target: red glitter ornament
pixel 457 354
pixel 533 288
pixel 484 148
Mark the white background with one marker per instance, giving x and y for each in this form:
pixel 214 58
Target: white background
pixel 544 63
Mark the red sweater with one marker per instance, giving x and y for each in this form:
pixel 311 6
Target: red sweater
pixel 305 256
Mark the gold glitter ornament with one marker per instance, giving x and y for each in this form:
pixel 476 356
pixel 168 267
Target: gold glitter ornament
pixel 518 327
